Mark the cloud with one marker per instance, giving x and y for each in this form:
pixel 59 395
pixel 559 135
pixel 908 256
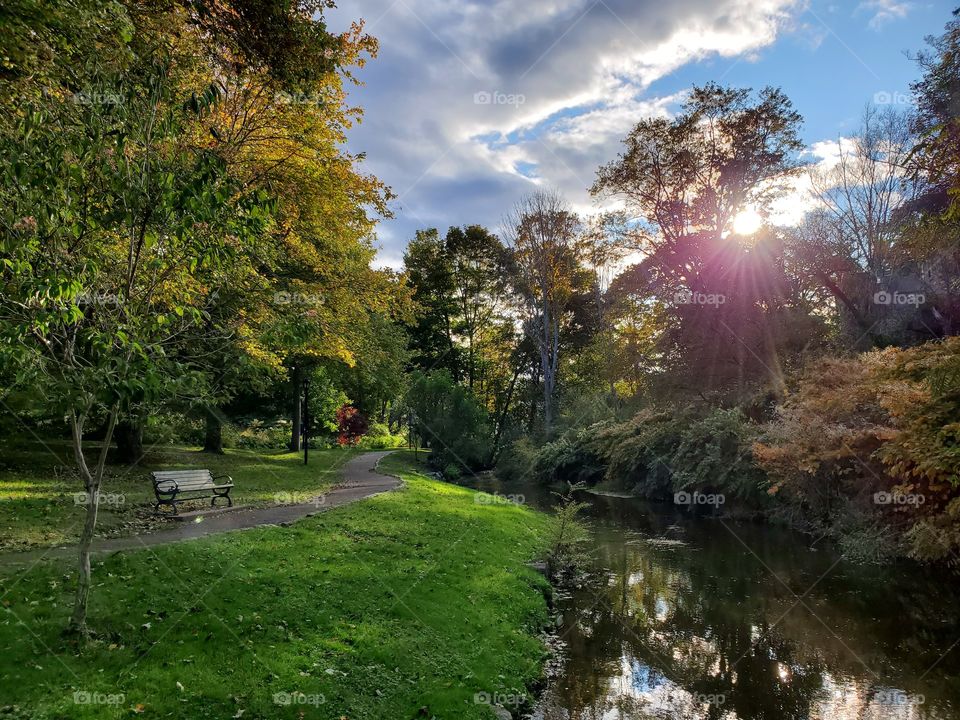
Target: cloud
pixel 472 103
pixel 885 11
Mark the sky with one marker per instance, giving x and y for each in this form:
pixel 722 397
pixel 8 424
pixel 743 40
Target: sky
pixel 471 104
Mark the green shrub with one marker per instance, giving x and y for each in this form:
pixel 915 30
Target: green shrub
pixel 639 453
pixel 572 459
pixel 173 429
pixel 448 420
pixel 257 435
pixel 715 453
pixel 378 437
pixel 567 537
pixel 659 452
pixel 517 460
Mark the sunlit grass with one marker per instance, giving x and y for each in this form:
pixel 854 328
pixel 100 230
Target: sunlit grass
pixel 38 491
pixel 417 598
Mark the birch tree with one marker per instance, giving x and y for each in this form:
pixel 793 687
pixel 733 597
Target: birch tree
pixel 544 234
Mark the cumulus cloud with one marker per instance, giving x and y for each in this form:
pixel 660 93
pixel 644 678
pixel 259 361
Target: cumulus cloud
pixel 470 104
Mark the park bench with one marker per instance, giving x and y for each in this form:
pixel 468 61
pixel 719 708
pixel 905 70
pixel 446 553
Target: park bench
pixel 173 486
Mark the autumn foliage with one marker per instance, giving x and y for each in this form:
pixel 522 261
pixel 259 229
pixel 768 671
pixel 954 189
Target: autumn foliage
pixel 871 440
pixel 351 425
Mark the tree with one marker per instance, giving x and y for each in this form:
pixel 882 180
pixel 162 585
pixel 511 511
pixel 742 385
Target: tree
pixel 430 271
pixel 445 417
pixel 931 222
pixel 177 171
pixel 724 296
pixel 476 259
pixel 849 244
pixel 109 217
pixel 543 236
pixel 936 122
pixel 689 177
pixel 376 379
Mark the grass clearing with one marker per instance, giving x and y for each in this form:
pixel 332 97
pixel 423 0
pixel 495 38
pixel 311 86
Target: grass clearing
pixel 404 605
pixel 39 485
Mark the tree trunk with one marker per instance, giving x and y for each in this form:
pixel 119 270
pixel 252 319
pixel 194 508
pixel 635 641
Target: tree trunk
pixel 213 438
pixel 296 381
pixel 129 437
pixel 92 483
pixel 501 418
pixel 854 311
pixel 532 417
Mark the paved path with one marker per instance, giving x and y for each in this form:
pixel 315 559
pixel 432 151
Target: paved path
pixel 360 480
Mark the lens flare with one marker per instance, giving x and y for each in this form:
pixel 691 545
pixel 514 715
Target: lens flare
pixel 747 222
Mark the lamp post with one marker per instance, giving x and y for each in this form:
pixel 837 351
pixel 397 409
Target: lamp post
pixel 306 419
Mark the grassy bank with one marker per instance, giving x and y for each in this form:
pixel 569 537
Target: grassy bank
pixel 404 605
pixel 38 488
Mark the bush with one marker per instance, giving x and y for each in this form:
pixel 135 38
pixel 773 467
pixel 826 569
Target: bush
pixel 258 435
pixel 572 458
pixel 448 420
pixel 567 538
pixel 659 452
pixel 173 429
pixel 378 437
pixel 715 454
pixel 883 422
pixel 517 461
pixel 638 453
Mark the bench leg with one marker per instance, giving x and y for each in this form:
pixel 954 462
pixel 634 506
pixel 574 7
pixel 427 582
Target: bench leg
pixel 217 496
pixel 171 502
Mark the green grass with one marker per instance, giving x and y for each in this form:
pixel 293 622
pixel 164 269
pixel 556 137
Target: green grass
pixel 404 605
pixel 38 484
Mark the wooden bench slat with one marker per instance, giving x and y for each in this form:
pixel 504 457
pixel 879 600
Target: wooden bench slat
pixel 182 474
pixel 169 485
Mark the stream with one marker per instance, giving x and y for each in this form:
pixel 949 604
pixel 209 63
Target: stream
pixel 699 617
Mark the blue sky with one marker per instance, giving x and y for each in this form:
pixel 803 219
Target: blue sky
pixel 472 103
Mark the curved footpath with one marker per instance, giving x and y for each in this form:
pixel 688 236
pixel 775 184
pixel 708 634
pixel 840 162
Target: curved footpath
pixel 360 480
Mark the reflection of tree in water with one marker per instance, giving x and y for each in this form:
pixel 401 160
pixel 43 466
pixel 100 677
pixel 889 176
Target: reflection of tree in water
pixel 686 613
pixel 664 620
pixel 677 622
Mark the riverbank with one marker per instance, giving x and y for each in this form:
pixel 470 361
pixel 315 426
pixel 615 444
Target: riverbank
pixel 414 603
pixel 690 617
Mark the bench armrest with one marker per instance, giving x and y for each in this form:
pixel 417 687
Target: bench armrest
pixel 218 477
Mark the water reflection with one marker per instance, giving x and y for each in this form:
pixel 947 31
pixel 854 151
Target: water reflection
pixel 701 618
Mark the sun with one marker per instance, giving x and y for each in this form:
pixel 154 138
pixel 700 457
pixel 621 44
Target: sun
pixel 747 222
